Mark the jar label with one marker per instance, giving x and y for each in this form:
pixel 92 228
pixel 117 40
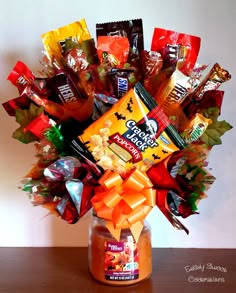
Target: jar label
pixel 121 261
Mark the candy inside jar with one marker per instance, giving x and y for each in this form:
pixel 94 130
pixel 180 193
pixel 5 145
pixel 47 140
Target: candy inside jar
pixel 119 263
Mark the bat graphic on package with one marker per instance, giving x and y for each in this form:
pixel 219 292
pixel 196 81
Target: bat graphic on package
pixel 129 108
pixel 120 116
pixel 155 157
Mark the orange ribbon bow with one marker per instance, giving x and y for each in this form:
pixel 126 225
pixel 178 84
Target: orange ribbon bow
pixel 124 203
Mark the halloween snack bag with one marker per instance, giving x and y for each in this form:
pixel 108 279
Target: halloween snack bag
pixel 134 132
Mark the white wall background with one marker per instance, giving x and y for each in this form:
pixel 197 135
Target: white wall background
pixel 21 25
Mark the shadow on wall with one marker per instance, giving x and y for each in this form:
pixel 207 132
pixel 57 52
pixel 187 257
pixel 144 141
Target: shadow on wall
pixel 69 235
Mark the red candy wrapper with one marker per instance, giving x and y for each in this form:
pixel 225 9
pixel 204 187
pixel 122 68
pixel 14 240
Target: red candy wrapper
pixel 22 102
pixel 21 76
pixel 38 125
pixel 176 48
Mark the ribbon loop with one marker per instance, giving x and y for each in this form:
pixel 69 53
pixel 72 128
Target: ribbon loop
pixel 124 202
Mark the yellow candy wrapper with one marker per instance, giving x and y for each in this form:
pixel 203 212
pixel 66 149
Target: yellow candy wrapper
pixel 54 41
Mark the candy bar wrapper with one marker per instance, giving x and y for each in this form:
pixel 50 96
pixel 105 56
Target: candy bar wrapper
pixel 171 94
pixel 38 125
pixel 21 76
pixel 134 132
pixel 113 50
pixel 21 102
pixel 176 48
pixel 64 89
pixel 131 29
pixel 54 41
pixel 195 129
pixel 212 81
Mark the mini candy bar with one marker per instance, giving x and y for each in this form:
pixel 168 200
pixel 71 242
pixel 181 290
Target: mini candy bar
pixel 38 125
pixel 21 76
pixel 196 128
pixel 63 89
pixel 176 48
pixel 170 95
pixel 120 80
pixel 212 81
pixel 74 57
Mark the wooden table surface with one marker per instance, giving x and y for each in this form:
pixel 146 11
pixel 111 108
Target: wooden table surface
pixel 65 270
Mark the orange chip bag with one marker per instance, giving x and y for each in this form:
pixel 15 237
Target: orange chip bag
pixel 55 40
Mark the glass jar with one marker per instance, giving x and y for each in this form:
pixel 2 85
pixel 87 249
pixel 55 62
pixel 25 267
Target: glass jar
pixel 122 262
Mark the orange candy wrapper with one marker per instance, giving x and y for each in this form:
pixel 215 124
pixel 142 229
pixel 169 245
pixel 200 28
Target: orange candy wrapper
pixel 113 50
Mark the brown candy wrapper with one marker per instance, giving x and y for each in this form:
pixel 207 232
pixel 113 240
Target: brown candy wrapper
pixel 212 81
pixel 64 88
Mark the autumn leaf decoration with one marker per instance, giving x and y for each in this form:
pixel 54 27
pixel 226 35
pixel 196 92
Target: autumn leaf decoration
pixel 215 129
pixel 24 117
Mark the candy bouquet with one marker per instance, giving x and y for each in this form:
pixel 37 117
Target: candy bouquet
pixel 116 127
